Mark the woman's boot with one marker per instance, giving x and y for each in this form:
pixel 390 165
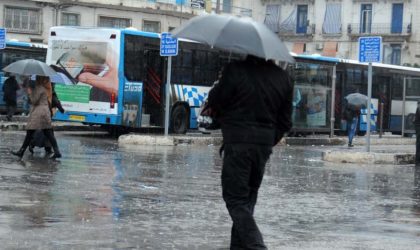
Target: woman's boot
pixel 19 153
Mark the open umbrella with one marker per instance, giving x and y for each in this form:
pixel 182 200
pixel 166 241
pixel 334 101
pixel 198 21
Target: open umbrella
pixel 235 34
pixel 357 100
pixel 30 67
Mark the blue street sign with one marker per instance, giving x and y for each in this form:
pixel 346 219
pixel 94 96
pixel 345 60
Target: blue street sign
pixel 2 38
pixel 370 49
pixel 168 45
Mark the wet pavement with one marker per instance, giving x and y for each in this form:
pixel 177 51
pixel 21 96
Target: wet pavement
pixel 101 195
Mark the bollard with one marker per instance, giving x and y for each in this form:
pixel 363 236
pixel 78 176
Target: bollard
pixel 381 116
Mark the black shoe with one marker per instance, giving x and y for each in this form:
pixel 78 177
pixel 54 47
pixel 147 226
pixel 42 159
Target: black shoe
pixel 18 153
pixel 350 145
pixel 48 150
pixel 55 155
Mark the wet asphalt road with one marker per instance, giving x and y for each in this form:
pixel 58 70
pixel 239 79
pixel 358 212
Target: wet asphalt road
pixel 100 195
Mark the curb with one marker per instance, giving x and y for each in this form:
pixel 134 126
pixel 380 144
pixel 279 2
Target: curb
pixel 13 126
pixel 299 141
pixel 159 140
pixel 368 157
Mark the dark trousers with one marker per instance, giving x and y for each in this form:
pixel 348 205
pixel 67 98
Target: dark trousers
pixel 49 133
pixel 417 146
pixel 11 109
pixel 242 174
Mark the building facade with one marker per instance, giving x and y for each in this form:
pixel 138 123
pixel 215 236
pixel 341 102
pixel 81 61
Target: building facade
pixel 326 27
pixel 333 27
pixel 30 20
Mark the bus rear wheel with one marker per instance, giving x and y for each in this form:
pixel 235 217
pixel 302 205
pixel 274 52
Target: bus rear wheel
pixel 179 119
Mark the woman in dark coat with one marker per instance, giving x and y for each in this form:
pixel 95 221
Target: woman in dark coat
pixel 40 115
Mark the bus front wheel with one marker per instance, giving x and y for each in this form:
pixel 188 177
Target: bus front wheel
pixel 179 119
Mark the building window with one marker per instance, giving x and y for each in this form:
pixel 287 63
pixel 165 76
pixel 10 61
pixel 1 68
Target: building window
pixel 396 54
pixel 272 17
pixel 332 19
pixel 151 26
pixel 392 54
pixel 114 22
pixel 366 18
pixel 23 20
pixel 70 19
pixel 302 19
pixel 397 17
pixel 227 6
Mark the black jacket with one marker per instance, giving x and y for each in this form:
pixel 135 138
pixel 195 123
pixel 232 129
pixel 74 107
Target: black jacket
pixel 10 87
pixel 253 102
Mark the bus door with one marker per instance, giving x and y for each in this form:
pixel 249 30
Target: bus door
pixel 143 82
pixel 381 91
pixel 154 87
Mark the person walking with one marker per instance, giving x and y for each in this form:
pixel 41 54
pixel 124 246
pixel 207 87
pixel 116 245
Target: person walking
pixel 40 116
pixel 253 103
pixel 417 128
pixel 351 114
pixel 10 87
pixel 38 138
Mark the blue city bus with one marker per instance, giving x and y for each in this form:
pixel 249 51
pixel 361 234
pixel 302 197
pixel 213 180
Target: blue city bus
pixel 116 78
pixel 313 74
pixel 14 51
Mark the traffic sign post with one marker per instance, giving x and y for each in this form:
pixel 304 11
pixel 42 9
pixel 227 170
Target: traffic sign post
pixel 169 48
pixel 2 38
pixel 370 50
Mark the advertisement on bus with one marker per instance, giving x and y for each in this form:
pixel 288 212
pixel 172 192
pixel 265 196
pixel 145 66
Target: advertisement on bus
pixel 87 79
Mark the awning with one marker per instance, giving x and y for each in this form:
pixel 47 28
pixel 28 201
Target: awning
pixel 299 48
pixel 272 17
pixel 330 49
pixel 332 19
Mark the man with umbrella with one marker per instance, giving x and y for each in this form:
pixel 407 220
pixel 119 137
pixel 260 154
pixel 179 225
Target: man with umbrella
pixel 10 87
pixel 253 103
pixel 354 102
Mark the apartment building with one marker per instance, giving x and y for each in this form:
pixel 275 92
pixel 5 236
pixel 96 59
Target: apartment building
pixel 30 20
pixel 333 27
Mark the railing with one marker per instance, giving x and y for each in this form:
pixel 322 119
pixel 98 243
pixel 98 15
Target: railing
pixel 378 29
pixel 201 4
pixel 290 30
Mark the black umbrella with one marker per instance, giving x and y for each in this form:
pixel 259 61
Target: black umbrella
pixel 235 34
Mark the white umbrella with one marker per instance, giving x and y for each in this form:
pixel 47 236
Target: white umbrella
pixel 357 100
pixel 30 67
pixel 239 35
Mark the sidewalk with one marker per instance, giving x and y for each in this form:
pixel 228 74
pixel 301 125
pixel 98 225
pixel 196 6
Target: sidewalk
pixel 19 122
pixel 390 149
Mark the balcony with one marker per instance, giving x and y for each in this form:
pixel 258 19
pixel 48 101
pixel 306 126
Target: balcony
pixel 184 6
pixel 384 30
pixel 289 32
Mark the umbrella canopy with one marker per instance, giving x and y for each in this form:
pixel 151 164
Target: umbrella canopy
pixel 357 100
pixel 234 34
pixel 58 78
pixel 30 67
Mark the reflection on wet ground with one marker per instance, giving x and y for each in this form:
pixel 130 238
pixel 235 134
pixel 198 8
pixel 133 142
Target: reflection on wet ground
pixel 100 195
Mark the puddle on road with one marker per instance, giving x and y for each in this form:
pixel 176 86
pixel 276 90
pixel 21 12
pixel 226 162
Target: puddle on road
pixel 102 196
